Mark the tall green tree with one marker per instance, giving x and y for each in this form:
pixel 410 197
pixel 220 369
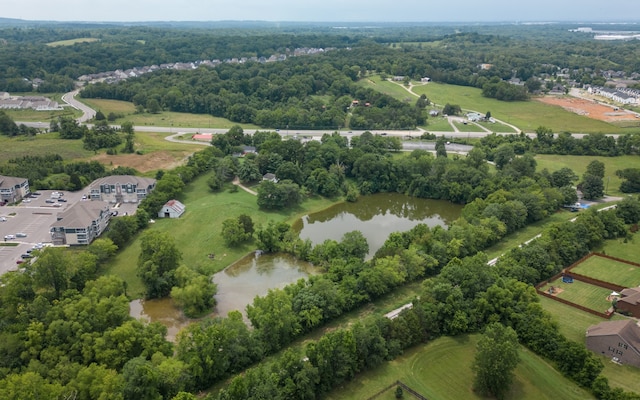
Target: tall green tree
pixel 158 260
pixel 496 358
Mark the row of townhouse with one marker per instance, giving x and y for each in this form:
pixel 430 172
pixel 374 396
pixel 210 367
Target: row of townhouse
pixel 616 95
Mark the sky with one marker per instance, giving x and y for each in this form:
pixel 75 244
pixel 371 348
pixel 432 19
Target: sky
pixel 322 10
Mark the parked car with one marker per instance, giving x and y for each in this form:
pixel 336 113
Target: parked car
pixel 20 234
pixel 26 200
pixel 84 197
pixel 19 261
pixel 36 193
pixel 57 205
pixel 25 256
pixel 3 219
pixel 9 237
pixel 49 201
pixel 62 200
pixel 114 213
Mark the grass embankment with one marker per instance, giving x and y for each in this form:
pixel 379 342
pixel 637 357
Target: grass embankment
pixel 442 370
pixel 578 164
pixel 438 124
pixel 396 90
pixel 29 115
pixel 164 118
pixel 527 115
pixel 609 270
pixel 197 231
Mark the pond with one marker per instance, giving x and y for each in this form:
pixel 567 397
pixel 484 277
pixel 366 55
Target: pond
pixel 376 217
pixel 238 285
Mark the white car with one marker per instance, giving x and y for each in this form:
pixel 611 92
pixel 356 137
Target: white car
pixel 26 200
pixel 3 219
pixel 9 237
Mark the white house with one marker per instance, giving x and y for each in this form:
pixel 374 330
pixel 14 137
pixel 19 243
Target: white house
pixel 172 209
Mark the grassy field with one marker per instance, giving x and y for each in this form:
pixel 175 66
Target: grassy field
pixel 438 124
pixel 497 127
pixel 197 232
pixel 164 118
pixel 442 370
pixel 468 127
pixel 40 145
pixel 578 164
pixel 609 270
pixel 621 248
pixel 573 324
pixel 584 294
pixel 29 115
pixel 392 89
pixel 71 42
pixel 527 115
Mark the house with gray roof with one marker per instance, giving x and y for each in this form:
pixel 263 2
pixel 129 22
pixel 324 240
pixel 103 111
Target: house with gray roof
pixel 81 223
pixel 13 189
pixel 121 188
pixel 619 340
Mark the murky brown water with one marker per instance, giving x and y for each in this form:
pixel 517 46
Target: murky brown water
pixel 160 310
pixel 376 217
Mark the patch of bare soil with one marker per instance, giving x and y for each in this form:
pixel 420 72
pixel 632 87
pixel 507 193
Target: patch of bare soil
pixel 144 163
pixel 588 108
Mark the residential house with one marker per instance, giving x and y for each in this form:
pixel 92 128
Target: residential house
pixel 270 177
pixel 13 189
pixel 81 223
pixel 619 340
pixel 172 209
pixel 425 79
pixel 121 188
pixel 629 302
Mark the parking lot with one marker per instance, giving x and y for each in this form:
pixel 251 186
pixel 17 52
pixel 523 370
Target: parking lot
pixel 33 217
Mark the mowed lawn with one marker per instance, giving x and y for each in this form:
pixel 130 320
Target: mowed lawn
pixel 163 118
pixel 396 90
pixel 584 294
pixel 197 232
pixel 527 115
pixel 578 164
pixel 608 270
pixel 626 249
pixel 442 370
pixel 573 324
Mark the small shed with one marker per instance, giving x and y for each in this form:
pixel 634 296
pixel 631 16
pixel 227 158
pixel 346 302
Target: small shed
pixel 172 209
pixel 270 177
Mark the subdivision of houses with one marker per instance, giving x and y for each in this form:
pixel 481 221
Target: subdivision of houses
pixel 121 188
pixel 619 340
pixel 13 189
pixel 81 223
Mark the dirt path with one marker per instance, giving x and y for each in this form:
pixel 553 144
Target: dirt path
pixel 236 181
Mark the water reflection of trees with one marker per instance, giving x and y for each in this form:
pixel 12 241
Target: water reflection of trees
pixel 401 206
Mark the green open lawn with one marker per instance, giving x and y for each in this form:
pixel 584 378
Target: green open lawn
pixel 442 370
pixel 438 124
pixel 197 231
pixel 392 89
pixel 584 294
pixel 609 270
pixel 497 127
pixel 573 324
pixel 164 118
pixel 626 249
pixel 30 115
pixel 40 145
pixel 468 127
pixel 527 115
pixel 71 42
pixel 578 164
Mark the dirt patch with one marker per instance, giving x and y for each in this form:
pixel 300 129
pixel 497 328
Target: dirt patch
pixel 144 163
pixel 556 290
pixel 589 108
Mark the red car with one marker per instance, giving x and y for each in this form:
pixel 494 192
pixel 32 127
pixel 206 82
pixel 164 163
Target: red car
pixel 19 261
